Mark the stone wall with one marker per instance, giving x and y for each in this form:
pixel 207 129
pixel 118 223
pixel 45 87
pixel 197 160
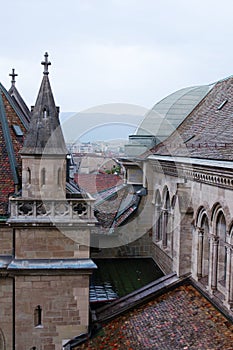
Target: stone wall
pixel 6 239
pixel 6 312
pixel 64 302
pixel 140 247
pixel 47 243
pixel 162 259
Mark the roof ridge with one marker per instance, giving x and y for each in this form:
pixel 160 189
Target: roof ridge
pixel 15 107
pixel 9 145
pixel 15 95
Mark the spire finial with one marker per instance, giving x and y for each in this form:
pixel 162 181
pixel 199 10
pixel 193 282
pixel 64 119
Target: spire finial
pixel 13 75
pixel 46 63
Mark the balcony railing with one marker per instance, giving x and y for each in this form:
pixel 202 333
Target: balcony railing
pixel 72 210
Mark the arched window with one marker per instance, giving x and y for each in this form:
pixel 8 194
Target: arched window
pixel 222 254
pixel 43 177
pixel 205 246
pixel 165 217
pixel 38 316
pixel 45 113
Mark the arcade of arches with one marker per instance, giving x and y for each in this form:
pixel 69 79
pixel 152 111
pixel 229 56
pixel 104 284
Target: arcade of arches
pixel 192 229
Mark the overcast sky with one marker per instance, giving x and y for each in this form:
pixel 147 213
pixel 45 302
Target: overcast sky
pixel 115 51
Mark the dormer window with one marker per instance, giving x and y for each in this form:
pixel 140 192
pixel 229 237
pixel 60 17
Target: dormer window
pixel 222 104
pixel 17 130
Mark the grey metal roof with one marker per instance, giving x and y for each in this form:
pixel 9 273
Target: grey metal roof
pixel 169 113
pixel 4 261
pixel 44 264
pixel 194 161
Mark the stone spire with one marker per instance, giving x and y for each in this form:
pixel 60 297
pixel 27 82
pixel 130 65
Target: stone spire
pixel 45 135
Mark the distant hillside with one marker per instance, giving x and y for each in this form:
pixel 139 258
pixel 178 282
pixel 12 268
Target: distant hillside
pixel 95 126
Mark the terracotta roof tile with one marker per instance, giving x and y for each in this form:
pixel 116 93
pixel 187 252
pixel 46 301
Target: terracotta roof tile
pixel 10 145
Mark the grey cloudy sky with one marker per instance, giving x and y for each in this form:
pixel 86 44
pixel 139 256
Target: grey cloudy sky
pixel 115 51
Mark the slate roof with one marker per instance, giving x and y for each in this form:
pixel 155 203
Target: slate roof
pixel 207 131
pixel 13 127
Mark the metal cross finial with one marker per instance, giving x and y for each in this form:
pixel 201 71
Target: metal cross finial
pixel 13 75
pixel 46 63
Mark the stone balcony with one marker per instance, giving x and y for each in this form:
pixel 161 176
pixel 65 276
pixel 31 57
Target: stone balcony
pixel 67 211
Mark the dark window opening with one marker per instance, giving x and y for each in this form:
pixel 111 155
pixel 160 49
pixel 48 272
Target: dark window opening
pixel 38 316
pixel 45 113
pixel 43 177
pixel 59 177
pixel 29 176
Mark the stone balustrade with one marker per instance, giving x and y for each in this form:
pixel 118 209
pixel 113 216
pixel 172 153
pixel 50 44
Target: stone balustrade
pixel 67 210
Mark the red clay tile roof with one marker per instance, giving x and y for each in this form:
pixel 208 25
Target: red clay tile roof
pixel 10 145
pixel 179 319
pixel 94 183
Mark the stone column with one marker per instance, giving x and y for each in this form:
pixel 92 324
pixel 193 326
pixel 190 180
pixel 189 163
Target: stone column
pixel 200 252
pixel 171 233
pixel 164 227
pixel 157 221
pixel 215 243
pixel 229 276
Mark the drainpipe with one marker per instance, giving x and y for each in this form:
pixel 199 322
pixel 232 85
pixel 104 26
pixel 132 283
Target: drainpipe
pixel 13 314
pixel 13 295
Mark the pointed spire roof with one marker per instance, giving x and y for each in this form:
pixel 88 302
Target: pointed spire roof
pixel 17 98
pixel 45 134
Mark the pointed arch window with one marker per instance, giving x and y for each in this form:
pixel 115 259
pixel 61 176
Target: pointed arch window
pixel 43 176
pixel 29 176
pixel 222 253
pixel 203 246
pixel 45 113
pixel 165 218
pixel 38 316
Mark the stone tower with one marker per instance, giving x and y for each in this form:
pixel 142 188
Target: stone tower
pixel 44 151
pixel 50 266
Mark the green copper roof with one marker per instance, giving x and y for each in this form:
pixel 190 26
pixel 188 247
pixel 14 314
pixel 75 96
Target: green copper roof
pixel 169 113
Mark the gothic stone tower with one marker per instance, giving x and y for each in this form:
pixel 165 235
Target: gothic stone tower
pixel 51 265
